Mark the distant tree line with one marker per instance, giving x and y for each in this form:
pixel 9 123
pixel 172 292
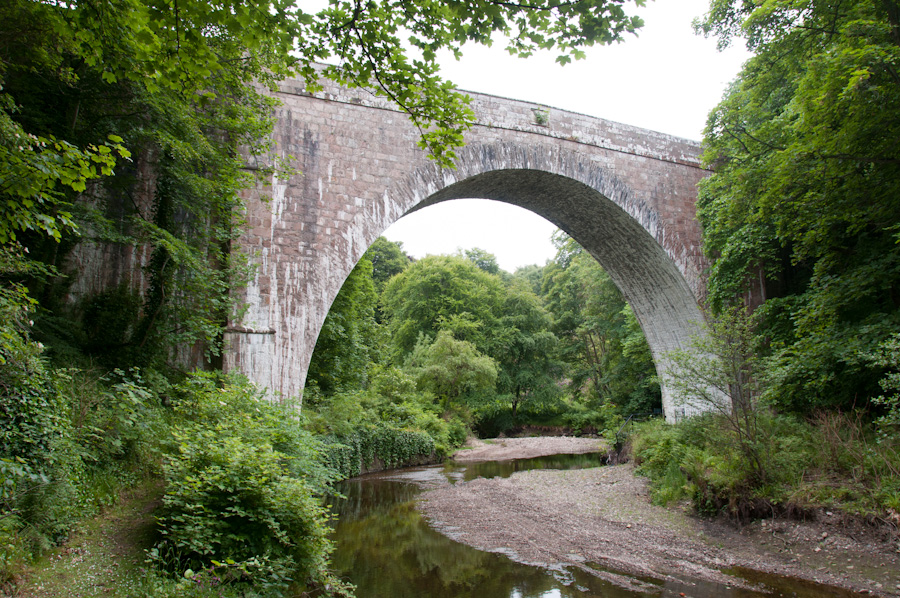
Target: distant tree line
pixel 546 345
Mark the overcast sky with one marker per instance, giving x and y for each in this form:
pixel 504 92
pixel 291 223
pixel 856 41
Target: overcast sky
pixel 666 79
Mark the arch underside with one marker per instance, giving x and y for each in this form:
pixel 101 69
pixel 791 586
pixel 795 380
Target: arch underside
pixel 661 299
pixel 633 213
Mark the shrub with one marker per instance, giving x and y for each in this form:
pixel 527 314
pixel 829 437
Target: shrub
pixel 69 441
pixel 834 460
pixel 243 486
pixel 350 455
pixel 391 420
pixel 659 450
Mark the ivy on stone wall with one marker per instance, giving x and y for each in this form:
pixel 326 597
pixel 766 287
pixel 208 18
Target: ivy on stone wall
pixel 393 447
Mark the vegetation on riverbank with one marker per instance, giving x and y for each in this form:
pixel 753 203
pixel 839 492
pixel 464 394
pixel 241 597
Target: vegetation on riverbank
pixel 829 461
pixel 138 141
pixel 801 224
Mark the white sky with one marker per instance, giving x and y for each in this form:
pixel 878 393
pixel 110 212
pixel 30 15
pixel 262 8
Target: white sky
pixel 667 79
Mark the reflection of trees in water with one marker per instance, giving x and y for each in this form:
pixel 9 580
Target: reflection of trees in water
pixel 363 498
pixel 504 469
pixel 386 548
pixel 389 550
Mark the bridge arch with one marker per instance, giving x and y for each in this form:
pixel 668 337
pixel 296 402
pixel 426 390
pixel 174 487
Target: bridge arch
pixel 625 194
pixel 593 206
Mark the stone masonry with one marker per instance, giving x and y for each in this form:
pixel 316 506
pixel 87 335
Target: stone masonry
pixel 626 194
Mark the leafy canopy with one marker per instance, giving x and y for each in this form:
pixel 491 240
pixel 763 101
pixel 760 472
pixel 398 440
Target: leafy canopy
pixel 803 209
pixel 442 292
pixel 600 340
pixel 178 88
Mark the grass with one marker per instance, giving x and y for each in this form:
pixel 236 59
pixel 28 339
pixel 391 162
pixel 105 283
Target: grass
pixel 104 556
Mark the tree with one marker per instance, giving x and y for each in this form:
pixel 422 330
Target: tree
pixel 600 338
pixel 802 210
pixel 483 259
pixel 388 260
pixel 348 341
pixel 721 373
pixel 442 293
pixel 525 350
pixel 532 275
pixel 451 369
pixel 85 86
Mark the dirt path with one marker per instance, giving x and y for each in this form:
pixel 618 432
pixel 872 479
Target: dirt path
pixel 603 516
pixel 100 558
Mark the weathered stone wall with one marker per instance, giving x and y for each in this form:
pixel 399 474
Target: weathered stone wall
pixel 95 266
pixel 626 194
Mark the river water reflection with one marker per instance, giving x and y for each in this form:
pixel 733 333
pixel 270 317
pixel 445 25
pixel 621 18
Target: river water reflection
pixel 387 549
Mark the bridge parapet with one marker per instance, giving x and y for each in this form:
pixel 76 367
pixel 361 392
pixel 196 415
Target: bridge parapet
pixel 518 115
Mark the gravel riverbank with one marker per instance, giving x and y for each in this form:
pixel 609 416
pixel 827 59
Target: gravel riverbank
pixel 601 520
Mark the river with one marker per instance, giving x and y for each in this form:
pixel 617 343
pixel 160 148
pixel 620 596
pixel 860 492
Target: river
pixel 388 550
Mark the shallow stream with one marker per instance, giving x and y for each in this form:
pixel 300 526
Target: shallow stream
pixel 388 550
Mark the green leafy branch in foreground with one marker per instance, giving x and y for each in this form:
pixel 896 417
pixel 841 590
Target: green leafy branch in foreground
pixel 33 171
pixel 369 41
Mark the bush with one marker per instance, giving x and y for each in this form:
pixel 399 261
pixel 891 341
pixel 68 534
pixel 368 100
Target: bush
pixel 69 441
pixel 606 417
pixel 831 460
pixel 660 450
pixel 243 487
pixel 351 455
pixel 390 420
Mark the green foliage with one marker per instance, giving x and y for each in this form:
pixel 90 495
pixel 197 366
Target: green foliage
pixel 659 449
pixel 889 357
pixel 243 486
pixel 589 416
pixel 830 460
pixel 525 349
pixel 607 357
pixel 451 369
pixel 399 402
pixel 720 373
pixel 348 340
pixel 391 416
pixel 483 259
pixel 532 276
pixel 448 316
pixel 803 207
pixel 442 292
pixel 394 447
pixel 32 408
pixel 69 442
pixel 388 260
pixel 36 171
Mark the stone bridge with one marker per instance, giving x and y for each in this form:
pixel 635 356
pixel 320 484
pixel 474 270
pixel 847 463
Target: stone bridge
pixel 625 194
